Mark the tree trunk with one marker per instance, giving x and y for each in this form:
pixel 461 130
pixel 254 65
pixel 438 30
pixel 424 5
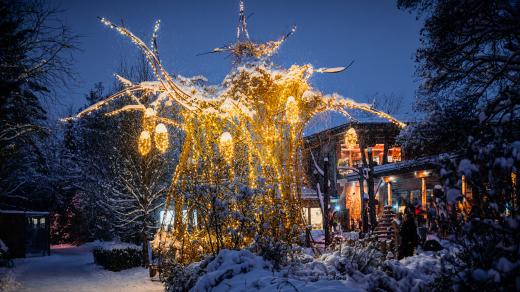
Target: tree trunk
pixel 371 198
pixel 364 221
pixel 326 200
pixel 146 260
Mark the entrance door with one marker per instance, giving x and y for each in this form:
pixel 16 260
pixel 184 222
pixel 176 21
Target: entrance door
pixel 37 236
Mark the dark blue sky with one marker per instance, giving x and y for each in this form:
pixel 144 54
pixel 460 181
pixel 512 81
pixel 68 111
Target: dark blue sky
pixel 380 39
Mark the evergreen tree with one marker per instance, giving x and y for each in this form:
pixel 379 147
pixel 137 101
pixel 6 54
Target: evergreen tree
pixel 33 57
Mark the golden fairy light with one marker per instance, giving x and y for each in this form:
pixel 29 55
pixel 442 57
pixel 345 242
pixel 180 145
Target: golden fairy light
pixel 351 138
pixel 161 137
pixel 254 118
pixel 291 110
pixel 226 146
pixel 144 143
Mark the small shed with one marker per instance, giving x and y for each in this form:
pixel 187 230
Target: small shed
pixel 26 233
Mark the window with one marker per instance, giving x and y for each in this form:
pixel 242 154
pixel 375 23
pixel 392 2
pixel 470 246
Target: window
pixel 169 220
pixel 316 218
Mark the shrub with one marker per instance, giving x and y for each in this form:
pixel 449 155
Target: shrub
pixel 275 251
pixel 489 258
pixel 117 259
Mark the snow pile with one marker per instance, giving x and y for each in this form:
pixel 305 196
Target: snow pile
pixel 352 268
pixel 234 268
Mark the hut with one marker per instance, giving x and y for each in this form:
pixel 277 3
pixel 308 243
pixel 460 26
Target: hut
pixel 26 233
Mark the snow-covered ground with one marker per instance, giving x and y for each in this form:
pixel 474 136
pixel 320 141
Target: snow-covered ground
pixel 72 268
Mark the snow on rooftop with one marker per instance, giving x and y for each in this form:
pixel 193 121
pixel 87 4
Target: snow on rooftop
pixel 328 120
pixel 30 213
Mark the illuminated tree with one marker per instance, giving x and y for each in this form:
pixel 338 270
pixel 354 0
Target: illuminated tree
pixel 244 131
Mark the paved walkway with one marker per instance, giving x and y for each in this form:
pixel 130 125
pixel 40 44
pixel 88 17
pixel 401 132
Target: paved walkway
pixel 72 268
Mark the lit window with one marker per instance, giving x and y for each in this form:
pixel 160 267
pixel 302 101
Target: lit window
pixel 169 220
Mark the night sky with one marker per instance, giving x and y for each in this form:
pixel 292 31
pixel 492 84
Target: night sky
pixel 380 39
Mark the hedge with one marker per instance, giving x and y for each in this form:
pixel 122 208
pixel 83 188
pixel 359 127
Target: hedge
pixel 117 259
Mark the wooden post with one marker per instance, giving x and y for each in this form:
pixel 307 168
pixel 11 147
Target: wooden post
pixel 364 221
pixel 326 200
pixel 463 187
pixel 423 192
pixel 389 192
pixel 385 151
pixel 370 182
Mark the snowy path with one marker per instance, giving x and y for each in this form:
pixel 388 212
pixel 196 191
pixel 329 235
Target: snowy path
pixel 72 268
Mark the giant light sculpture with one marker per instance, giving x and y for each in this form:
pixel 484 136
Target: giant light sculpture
pixel 248 127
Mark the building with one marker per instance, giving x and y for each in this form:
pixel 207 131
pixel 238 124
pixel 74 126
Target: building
pixel 397 179
pixel 26 233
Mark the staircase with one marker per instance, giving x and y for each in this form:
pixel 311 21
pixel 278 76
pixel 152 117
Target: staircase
pixel 384 229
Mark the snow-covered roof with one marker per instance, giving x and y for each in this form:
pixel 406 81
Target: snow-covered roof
pixel 308 193
pixel 30 213
pixel 329 120
pixel 404 166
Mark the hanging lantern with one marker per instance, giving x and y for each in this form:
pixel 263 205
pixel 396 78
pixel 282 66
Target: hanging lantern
pixel 351 138
pixel 161 138
pixel 291 110
pixel 149 120
pixel 226 146
pixel 144 143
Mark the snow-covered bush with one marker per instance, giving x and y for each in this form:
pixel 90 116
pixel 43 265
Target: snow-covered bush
pixel 362 267
pixel 347 261
pixel 489 258
pixel 117 259
pixel 183 278
pixel 272 250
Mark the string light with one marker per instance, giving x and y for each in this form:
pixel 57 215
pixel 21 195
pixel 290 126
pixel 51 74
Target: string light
pixel 254 119
pixel 226 146
pixel 144 143
pixel 161 137
pixel 291 111
pixel 351 138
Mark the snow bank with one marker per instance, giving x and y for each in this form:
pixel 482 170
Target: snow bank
pixel 351 269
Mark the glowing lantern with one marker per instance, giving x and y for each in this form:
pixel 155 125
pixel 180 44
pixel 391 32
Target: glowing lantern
pixel 144 143
pixel 291 110
pixel 161 137
pixel 149 120
pixel 226 146
pixel 351 138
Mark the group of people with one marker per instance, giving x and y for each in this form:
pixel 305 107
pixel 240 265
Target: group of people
pixel 441 217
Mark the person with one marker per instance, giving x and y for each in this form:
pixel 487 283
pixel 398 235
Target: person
pixel 431 215
pixel 443 219
pixel 334 221
pixel 407 235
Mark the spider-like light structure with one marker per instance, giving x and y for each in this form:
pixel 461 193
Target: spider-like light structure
pixel 253 121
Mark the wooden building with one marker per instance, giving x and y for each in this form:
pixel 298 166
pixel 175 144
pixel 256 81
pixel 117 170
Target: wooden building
pixel 397 179
pixel 26 233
